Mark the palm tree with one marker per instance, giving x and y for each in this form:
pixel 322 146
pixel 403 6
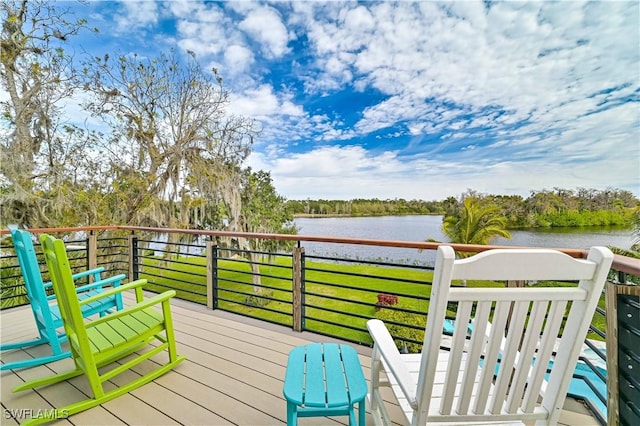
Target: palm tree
pixel 636 230
pixel 476 222
pixel 634 250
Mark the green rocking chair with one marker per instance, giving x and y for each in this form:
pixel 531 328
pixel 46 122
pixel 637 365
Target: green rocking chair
pixel 45 308
pixel 108 339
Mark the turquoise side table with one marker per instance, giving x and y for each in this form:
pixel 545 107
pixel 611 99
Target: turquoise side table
pixel 324 379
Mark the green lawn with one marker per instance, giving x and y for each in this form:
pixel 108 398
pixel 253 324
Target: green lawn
pixel 340 298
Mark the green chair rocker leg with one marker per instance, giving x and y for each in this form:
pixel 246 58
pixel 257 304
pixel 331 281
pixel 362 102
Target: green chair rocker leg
pixel 45 309
pixel 95 344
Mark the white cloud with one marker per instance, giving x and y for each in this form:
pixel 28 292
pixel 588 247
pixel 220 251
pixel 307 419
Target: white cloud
pixel 238 58
pixel 265 26
pixel 137 14
pixel 201 29
pixel 498 96
pixel 524 57
pixel 353 172
pixel 359 20
pixel 262 102
pixel 331 171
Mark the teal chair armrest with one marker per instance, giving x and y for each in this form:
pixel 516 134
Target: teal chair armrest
pixel 95 272
pixel 114 281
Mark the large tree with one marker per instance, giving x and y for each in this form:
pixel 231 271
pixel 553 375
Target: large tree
pixel 263 211
pixel 172 155
pixel 171 138
pixel 38 77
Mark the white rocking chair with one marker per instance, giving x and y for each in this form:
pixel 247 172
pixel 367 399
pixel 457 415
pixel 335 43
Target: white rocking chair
pixel 499 372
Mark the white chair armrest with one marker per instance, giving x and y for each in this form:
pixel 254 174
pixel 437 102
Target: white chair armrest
pixel 393 360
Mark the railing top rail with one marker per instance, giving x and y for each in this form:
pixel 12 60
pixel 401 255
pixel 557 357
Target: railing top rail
pixel 620 263
pixel 628 265
pixel 4 230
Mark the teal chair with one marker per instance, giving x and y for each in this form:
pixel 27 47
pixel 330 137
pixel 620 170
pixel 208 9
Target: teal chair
pixel 45 307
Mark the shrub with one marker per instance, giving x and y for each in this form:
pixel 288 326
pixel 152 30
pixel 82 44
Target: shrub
pixel 258 300
pixel 409 332
pixel 386 300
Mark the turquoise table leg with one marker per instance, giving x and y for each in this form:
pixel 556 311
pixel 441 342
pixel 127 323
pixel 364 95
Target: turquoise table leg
pixel 292 415
pixel 352 416
pixel 362 412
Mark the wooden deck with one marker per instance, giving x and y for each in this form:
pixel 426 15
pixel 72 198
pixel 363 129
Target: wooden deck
pixel 233 375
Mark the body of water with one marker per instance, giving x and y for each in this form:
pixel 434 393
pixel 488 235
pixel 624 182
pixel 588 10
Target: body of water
pixel 421 228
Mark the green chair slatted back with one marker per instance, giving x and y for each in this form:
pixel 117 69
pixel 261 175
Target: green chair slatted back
pixel 45 308
pixel 110 339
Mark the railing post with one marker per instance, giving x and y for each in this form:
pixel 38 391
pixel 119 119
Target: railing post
pixel 303 289
pixel 613 414
pixel 92 250
pixel 298 289
pixel 212 274
pixel 516 283
pixel 133 257
pixel 623 343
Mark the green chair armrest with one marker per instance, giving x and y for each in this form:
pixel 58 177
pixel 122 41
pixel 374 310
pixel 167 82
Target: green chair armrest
pixel 147 303
pixel 114 290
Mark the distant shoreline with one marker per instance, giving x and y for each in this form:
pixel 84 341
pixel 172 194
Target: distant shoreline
pixel 512 228
pixel 320 216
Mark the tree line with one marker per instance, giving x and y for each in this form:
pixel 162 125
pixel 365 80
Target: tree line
pixel 363 207
pixel 546 208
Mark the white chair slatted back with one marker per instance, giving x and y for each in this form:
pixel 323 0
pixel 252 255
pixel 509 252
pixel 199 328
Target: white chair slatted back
pixel 499 373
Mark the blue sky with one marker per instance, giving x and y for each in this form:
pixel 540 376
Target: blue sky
pixel 414 100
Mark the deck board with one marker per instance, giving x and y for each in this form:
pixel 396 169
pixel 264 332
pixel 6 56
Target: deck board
pixel 233 375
